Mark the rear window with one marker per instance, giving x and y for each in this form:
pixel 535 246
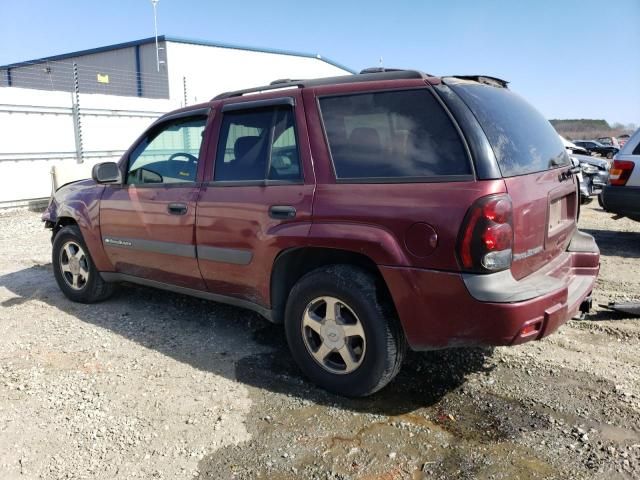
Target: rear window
pixel 522 139
pixel 392 135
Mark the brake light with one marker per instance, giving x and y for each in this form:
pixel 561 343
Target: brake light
pixel 620 172
pixel 486 239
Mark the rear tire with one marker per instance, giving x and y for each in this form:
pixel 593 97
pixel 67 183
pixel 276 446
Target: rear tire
pixel 359 348
pixel 74 270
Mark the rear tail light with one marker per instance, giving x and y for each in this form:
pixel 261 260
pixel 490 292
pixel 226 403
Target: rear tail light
pixel 485 242
pixel 620 172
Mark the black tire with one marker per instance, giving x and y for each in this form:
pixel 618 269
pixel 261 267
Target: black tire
pixel 600 202
pixel 359 292
pixel 94 289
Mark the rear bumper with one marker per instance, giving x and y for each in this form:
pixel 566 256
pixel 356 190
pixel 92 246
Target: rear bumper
pixel 442 309
pixel 622 200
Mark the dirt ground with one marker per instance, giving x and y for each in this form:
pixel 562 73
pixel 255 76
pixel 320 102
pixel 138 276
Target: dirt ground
pixel 155 385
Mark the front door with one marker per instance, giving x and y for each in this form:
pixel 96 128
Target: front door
pixel 147 223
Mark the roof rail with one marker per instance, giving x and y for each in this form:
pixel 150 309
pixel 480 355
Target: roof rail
pixel 486 79
pixel 366 75
pixel 284 80
pixel 272 86
pixel 384 69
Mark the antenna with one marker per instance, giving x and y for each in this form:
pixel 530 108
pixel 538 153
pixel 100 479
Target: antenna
pixel 381 63
pixel 154 3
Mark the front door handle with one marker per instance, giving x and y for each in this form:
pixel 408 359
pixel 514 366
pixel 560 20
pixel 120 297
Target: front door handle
pixel 282 212
pixel 177 208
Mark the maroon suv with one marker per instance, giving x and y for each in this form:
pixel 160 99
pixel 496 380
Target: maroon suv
pixel 367 213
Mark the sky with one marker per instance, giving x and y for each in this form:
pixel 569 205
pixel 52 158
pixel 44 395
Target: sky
pixel 570 58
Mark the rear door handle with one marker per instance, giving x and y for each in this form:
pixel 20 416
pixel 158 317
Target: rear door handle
pixel 177 208
pixel 282 211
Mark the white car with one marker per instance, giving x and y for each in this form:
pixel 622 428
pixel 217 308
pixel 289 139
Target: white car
pixel 622 195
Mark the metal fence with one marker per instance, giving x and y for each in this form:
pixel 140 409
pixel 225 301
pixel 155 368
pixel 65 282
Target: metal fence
pixel 63 126
pixel 68 76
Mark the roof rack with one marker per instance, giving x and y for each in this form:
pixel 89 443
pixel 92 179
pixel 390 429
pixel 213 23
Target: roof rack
pixel 284 80
pixel 384 69
pixel 486 79
pixel 367 75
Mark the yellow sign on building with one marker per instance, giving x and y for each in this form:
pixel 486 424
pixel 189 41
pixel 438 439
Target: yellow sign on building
pixel 103 78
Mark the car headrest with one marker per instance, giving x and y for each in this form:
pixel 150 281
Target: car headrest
pixel 365 137
pixel 244 145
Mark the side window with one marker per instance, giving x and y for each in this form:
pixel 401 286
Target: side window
pixel 257 145
pixel 169 154
pixel 392 135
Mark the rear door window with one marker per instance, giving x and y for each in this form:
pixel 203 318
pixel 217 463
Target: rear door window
pixel 523 140
pixel 257 145
pixel 393 136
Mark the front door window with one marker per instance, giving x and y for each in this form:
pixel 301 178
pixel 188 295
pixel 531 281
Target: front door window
pixel 169 154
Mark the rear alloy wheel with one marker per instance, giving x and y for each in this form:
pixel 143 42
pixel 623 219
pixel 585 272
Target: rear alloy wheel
pixel 343 331
pixel 333 335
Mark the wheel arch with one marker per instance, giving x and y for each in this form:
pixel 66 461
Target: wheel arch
pixel 292 264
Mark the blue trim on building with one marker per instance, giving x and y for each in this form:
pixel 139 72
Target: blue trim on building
pixel 167 38
pixel 138 72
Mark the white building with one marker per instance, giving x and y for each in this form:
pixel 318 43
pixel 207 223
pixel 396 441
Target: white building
pixel 67 112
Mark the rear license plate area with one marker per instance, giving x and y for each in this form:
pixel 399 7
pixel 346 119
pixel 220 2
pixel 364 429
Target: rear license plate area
pixel 557 213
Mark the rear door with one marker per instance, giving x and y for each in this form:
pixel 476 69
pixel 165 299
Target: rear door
pixel 536 171
pixel 257 200
pixel 148 222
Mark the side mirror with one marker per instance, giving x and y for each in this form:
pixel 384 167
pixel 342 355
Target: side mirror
pixel 106 172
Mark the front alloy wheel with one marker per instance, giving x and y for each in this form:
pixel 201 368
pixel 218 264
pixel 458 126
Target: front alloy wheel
pixel 74 270
pixel 74 265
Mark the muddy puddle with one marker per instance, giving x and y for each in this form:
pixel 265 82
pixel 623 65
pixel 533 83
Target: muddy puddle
pixel 428 424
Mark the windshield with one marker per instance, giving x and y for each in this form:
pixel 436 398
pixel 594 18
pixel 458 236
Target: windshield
pixel 523 141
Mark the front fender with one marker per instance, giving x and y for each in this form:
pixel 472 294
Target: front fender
pixel 375 242
pixel 80 202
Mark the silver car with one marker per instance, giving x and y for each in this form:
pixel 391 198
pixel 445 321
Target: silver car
pixel 622 195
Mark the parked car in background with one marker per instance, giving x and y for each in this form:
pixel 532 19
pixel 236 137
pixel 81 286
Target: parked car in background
pixel 573 148
pixel 609 141
pixel 622 195
pixel 366 212
pixel 596 147
pixel 594 175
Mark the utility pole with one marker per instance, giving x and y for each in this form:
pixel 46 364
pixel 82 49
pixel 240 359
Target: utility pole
pixel 154 3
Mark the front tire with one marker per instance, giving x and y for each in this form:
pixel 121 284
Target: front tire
pixel 343 332
pixel 74 270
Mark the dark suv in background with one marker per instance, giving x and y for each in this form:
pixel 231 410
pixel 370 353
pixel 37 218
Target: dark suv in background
pixel 598 148
pixel 367 213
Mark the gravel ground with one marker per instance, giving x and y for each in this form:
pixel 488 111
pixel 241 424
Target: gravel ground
pixel 155 385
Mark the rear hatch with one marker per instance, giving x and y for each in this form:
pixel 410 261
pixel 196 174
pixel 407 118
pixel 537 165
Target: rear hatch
pixel 536 171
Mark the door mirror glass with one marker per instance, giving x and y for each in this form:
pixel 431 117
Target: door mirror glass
pixel 106 172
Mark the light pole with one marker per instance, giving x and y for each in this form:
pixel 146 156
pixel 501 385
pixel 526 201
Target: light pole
pixel 155 29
